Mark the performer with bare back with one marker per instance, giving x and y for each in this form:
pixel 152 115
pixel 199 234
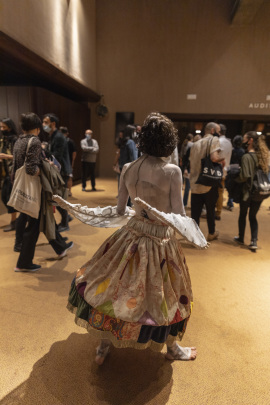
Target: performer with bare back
pixel 136 291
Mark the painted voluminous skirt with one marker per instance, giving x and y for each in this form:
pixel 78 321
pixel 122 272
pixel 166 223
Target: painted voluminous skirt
pixel 136 289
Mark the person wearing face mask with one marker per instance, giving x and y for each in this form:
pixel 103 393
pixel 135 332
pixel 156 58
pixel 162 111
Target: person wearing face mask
pixel 237 153
pixel 30 124
pixel 90 150
pixel 9 132
pixel 201 194
pixel 58 147
pixel 72 151
pixel 226 153
pixel 256 156
pixel 27 227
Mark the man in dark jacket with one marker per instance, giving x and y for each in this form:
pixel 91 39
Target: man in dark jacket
pixel 58 147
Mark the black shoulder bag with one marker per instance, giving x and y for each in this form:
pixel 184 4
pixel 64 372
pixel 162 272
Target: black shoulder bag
pixel 211 172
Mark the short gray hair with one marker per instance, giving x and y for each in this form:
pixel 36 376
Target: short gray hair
pixel 210 126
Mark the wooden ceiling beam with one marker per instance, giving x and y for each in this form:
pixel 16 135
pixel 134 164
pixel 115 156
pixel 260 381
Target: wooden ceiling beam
pixel 25 65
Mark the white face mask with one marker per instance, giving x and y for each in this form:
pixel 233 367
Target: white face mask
pixel 87 136
pixel 47 128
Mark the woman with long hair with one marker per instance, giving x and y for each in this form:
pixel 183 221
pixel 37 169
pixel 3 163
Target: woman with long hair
pixel 136 290
pixel 9 132
pixel 256 156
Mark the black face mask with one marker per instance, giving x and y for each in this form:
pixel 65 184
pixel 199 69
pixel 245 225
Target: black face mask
pixel 215 134
pixel 245 146
pixel 5 132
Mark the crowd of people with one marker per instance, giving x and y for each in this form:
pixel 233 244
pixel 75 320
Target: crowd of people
pixel 149 304
pixel 242 156
pixel 206 200
pixel 53 162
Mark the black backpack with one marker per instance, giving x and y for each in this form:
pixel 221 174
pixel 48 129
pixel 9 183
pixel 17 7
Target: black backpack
pixel 234 188
pixel 261 184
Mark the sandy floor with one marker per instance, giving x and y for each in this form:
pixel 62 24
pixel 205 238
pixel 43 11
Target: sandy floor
pixel 46 359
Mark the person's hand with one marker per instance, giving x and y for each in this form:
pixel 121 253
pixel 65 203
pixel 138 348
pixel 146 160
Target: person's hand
pixel 52 164
pixel 49 161
pixel 44 145
pixel 4 156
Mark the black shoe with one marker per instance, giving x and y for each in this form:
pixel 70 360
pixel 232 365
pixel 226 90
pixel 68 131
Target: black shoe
pixel 64 253
pixel 17 247
pixel 62 228
pixel 70 218
pixel 10 227
pixel 217 218
pixel 238 240
pixel 32 268
pixel 69 245
pixel 65 238
pixel 94 189
pixel 253 245
pixel 83 189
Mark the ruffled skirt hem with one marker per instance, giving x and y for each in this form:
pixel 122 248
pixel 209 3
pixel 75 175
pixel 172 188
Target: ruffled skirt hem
pixel 122 334
pixel 131 344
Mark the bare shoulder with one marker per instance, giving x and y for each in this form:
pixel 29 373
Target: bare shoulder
pixel 126 166
pixel 173 169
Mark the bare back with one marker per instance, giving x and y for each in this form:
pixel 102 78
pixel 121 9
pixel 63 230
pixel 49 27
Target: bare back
pixel 156 182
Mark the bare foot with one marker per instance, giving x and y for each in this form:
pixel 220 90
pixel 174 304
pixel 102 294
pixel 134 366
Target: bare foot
pixel 177 352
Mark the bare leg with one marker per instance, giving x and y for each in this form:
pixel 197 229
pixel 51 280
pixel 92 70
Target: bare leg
pixel 102 351
pixel 176 352
pixel 13 216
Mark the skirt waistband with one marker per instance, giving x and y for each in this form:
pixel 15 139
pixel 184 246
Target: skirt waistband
pixel 152 228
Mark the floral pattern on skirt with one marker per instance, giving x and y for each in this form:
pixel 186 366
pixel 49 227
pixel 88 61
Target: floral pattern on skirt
pixel 136 288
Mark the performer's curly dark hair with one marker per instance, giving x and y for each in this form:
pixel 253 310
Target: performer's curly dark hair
pixel 158 136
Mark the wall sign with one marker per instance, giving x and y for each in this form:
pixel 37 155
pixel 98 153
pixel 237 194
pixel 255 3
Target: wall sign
pixel 259 106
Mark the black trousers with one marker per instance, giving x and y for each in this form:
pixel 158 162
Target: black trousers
pixel 22 224
pixel 58 244
pixel 62 211
pixel 28 229
pixel 209 199
pixel 88 170
pixel 253 207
